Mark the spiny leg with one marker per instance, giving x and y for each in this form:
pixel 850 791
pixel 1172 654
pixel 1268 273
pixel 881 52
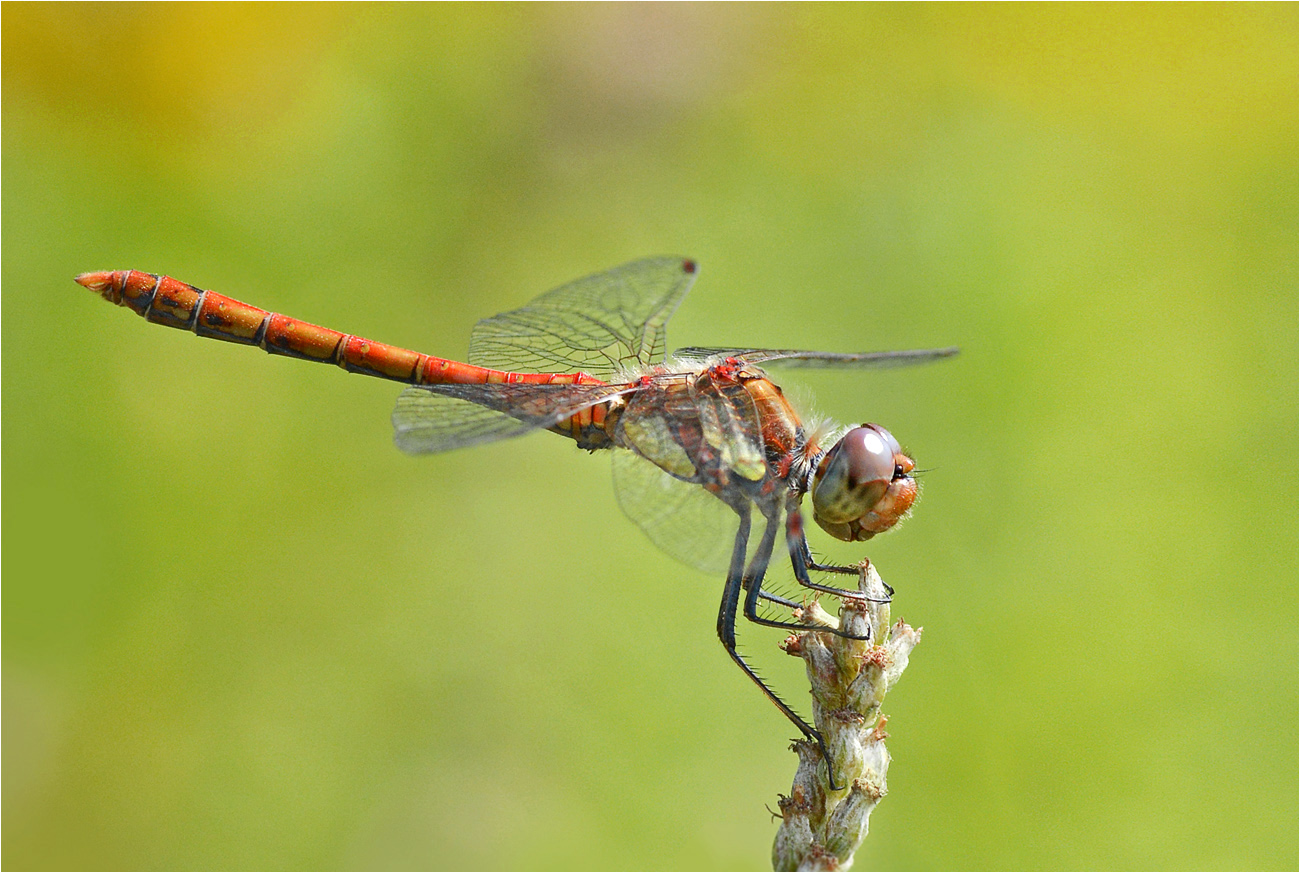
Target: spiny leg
pixel 727 629
pixel 802 560
pixel 754 589
pixel 748 582
pixel 778 599
pixel 752 583
pixel 754 574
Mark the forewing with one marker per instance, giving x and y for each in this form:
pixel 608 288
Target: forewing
pixel 599 325
pixel 438 418
pixel 824 360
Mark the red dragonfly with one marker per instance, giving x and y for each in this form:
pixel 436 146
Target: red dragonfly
pixel 705 439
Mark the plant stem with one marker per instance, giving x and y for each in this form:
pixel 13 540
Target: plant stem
pixel 822 828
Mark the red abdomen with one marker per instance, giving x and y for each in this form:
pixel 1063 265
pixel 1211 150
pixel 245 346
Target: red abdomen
pixel 167 301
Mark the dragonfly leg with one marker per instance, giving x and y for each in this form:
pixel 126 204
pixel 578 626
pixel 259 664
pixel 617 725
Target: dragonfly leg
pixel 755 572
pixel 748 582
pixel 727 628
pixel 802 560
pixel 779 600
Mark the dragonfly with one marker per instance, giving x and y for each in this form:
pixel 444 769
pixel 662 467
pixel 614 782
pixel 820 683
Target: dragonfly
pixel 706 447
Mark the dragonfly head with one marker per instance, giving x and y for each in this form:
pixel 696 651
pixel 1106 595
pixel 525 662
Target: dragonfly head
pixel 863 486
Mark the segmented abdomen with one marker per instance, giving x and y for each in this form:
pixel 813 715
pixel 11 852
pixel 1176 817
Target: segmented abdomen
pixel 167 301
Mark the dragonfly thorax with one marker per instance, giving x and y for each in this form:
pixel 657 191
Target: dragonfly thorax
pixel 863 485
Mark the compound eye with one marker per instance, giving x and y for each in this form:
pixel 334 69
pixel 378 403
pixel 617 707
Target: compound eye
pixel 887 437
pixel 903 465
pixel 854 475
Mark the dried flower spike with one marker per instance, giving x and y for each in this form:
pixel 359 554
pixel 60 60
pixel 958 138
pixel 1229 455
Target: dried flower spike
pixel 821 828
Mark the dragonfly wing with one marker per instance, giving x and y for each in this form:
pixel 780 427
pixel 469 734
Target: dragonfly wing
pixel 824 360
pixel 599 325
pixel 681 438
pixel 683 519
pixel 439 418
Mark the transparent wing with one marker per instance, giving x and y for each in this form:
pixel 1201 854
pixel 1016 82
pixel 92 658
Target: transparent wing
pixel 679 517
pixel 438 418
pixel 827 360
pixel 598 325
pixel 701 431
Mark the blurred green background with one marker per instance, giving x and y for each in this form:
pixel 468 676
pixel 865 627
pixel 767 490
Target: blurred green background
pixel 241 630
